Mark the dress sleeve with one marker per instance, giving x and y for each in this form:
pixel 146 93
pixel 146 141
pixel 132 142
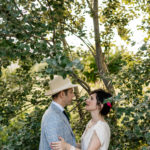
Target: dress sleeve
pixel 101 132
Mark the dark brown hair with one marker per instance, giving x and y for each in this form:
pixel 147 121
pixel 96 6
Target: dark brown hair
pixel 101 95
pixel 56 95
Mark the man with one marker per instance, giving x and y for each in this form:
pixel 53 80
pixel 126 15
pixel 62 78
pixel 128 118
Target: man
pixel 55 122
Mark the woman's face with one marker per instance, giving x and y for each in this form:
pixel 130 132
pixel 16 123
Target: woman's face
pixel 91 103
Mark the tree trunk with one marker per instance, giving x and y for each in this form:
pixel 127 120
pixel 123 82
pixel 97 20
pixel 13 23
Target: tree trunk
pixel 77 95
pixel 102 68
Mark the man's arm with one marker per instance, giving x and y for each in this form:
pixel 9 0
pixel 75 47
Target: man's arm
pixel 51 131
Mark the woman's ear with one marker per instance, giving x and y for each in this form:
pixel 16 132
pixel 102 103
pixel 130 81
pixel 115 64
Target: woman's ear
pixel 101 106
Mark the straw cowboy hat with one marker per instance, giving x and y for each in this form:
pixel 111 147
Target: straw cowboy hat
pixel 59 84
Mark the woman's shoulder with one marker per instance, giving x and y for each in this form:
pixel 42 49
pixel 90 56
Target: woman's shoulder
pixel 88 124
pixel 102 130
pixel 100 122
pixel 102 125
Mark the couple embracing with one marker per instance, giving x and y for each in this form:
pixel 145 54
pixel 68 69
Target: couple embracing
pixel 56 132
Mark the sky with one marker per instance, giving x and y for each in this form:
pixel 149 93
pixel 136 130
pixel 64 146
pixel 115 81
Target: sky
pixel 138 35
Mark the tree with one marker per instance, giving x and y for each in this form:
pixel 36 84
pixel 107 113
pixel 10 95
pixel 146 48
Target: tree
pixel 35 32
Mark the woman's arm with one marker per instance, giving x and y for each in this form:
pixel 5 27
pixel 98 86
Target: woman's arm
pixel 94 143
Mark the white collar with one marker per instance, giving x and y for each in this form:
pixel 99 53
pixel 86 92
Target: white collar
pixel 58 105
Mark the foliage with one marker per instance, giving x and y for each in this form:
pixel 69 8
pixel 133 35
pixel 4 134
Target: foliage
pixel 34 32
pixel 131 110
pixel 23 132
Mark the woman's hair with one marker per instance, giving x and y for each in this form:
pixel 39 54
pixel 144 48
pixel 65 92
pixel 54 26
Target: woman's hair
pixel 101 95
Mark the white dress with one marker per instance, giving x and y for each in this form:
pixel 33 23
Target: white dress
pixel 103 132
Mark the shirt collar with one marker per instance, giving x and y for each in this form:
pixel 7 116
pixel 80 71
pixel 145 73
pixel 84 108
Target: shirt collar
pixel 58 105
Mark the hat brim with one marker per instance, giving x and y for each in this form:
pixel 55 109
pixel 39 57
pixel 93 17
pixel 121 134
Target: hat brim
pixel 52 92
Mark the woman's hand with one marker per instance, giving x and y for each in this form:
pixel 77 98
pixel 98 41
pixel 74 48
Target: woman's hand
pixel 61 145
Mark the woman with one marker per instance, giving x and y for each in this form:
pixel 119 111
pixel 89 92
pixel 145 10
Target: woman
pixel 97 133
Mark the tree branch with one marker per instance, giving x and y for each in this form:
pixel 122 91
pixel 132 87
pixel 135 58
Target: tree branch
pixel 90 6
pixel 89 47
pixel 83 83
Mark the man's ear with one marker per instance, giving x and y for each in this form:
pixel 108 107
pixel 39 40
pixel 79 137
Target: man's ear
pixel 61 94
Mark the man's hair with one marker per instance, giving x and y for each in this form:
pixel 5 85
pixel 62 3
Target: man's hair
pixel 56 95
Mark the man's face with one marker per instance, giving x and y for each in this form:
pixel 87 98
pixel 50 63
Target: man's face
pixel 68 97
